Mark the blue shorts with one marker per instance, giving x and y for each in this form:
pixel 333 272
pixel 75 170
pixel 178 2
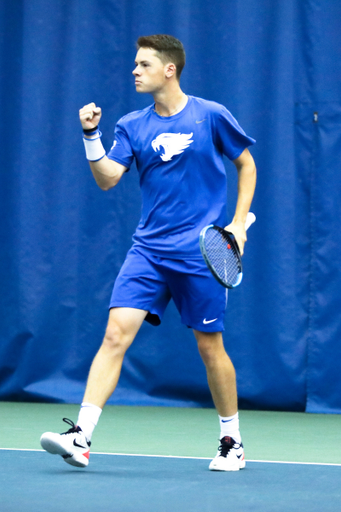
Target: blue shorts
pixel 148 282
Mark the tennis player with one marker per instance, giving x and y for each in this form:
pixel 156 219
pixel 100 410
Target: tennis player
pixel 178 145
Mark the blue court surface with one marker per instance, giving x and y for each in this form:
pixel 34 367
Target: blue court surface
pixel 34 481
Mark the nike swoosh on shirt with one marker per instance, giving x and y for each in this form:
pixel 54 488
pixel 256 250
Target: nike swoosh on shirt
pixel 209 321
pixel 198 122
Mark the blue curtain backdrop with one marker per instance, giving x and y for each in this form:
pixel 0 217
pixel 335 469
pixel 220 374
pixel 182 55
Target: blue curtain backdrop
pixel 277 67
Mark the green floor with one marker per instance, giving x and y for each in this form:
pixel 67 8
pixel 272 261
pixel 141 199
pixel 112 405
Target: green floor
pixel 272 436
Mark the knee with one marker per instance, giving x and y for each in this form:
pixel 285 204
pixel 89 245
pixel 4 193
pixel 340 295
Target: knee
pixel 207 353
pixel 211 349
pixel 115 339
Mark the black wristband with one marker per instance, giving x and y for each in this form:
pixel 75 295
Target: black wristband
pixel 89 131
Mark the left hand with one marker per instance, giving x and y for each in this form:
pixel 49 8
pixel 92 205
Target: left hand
pixel 239 232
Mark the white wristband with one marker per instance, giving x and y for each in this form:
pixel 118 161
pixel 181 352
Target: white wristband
pixel 94 149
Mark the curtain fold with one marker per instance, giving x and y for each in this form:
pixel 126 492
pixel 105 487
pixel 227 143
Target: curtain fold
pixel 63 240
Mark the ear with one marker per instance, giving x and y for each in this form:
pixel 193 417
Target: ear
pixel 170 70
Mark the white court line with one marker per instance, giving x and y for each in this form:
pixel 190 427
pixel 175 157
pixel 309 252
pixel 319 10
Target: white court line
pixel 184 457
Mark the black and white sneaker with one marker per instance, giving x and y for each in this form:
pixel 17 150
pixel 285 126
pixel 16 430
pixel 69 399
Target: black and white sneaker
pixel 230 456
pixel 71 445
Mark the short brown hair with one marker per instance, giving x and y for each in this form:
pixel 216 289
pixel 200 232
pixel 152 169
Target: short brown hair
pixel 168 48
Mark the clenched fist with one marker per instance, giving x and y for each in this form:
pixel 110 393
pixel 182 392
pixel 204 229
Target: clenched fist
pixel 90 116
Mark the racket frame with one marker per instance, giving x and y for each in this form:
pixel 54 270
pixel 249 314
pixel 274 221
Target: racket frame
pixel 229 238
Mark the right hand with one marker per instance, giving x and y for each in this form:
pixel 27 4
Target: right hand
pixel 90 116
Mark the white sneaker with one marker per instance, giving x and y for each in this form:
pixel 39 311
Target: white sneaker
pixel 71 445
pixel 230 456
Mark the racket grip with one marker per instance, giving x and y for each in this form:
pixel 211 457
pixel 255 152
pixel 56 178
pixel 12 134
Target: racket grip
pixel 250 219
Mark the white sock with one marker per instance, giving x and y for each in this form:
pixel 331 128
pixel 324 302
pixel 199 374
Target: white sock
pixel 88 418
pixel 229 426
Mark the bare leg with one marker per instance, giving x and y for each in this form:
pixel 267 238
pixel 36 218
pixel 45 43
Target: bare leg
pixel 221 375
pixel 74 445
pixel 123 325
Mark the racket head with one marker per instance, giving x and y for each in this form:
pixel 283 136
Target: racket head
pixel 221 254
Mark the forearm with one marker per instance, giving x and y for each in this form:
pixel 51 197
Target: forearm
pixel 246 189
pixel 246 168
pixel 106 172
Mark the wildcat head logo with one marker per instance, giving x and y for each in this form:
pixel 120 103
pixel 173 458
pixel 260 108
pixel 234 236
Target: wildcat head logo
pixel 172 143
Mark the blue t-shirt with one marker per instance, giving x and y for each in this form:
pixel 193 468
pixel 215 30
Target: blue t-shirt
pixel 182 174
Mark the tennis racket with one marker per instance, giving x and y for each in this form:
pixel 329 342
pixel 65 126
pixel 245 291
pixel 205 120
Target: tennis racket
pixel 221 253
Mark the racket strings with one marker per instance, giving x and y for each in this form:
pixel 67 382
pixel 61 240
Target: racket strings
pixel 222 256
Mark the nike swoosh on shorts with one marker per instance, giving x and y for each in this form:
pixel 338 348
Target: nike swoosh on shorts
pixel 209 321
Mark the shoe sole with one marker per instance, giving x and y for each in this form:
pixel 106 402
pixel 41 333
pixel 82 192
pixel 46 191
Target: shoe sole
pixel 217 467
pixel 55 448
pixel 226 470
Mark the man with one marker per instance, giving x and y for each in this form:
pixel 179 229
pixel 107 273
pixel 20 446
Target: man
pixel 178 144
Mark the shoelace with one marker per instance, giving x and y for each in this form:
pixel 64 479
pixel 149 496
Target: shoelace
pixel 226 444
pixel 73 428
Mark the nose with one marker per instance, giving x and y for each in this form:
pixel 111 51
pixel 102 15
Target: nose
pixel 135 71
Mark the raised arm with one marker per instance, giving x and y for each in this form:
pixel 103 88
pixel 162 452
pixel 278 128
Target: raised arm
pixel 246 168
pixel 106 172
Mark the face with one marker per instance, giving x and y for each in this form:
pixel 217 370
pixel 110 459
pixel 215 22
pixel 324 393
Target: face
pixel 150 73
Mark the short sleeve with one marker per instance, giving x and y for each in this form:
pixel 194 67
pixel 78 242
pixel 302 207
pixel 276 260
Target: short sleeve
pixel 230 137
pixel 121 150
